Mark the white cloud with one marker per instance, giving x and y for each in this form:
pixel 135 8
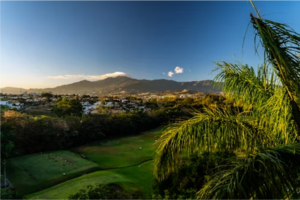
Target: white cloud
pixel 178 70
pixel 88 77
pixel 164 73
pixel 170 73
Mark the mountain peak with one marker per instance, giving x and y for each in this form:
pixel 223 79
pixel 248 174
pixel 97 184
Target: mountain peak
pixel 112 85
pixel 118 77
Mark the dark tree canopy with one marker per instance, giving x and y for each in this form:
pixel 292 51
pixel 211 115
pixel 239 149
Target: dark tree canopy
pixel 69 107
pixel 48 95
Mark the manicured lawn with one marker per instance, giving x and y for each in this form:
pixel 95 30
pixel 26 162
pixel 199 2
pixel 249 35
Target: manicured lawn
pixel 40 177
pixel 34 172
pixel 130 179
pixel 122 152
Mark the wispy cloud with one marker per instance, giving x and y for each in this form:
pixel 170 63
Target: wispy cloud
pixel 189 70
pixel 170 73
pixel 178 70
pixel 164 73
pixel 88 77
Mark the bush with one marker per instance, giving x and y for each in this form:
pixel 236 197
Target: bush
pixel 34 135
pixel 189 178
pixel 99 191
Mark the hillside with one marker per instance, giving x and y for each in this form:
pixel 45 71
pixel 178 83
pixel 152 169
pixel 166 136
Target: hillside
pixel 127 84
pixel 12 90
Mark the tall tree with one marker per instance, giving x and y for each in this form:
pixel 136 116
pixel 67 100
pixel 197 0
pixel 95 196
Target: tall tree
pixel 260 143
pixel 47 95
pixel 69 107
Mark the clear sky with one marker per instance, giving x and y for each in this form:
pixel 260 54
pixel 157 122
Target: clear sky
pixel 46 44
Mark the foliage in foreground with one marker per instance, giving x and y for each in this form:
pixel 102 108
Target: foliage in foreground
pixel 102 191
pixel 261 142
pixel 7 193
pixel 189 177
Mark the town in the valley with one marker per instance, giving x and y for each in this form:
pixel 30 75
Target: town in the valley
pixel 112 103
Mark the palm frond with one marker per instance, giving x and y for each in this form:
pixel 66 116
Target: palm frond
pixel 212 131
pixel 241 83
pixel 282 44
pixel 271 173
pixel 276 116
pixel 262 93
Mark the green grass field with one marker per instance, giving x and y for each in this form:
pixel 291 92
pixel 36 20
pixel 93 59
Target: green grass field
pixel 130 179
pixel 40 177
pixel 34 172
pixel 38 111
pixel 122 152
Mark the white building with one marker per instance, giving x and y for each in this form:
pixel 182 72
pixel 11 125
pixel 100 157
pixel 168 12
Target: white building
pixel 11 104
pixel 109 104
pixel 85 103
pixel 6 103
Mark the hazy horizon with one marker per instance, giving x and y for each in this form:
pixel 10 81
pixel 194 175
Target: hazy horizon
pixel 48 44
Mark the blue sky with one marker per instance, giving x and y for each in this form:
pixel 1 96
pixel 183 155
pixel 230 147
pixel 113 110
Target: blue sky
pixel 46 44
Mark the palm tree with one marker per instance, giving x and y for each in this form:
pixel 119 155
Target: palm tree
pixel 261 142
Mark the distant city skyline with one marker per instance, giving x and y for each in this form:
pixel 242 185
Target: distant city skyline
pixel 47 44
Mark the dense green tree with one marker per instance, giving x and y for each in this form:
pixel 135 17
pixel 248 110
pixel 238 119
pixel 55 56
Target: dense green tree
pixel 261 142
pixel 47 95
pixel 101 191
pixel 36 134
pixel 152 104
pixel 3 108
pixel 69 107
pixel 7 193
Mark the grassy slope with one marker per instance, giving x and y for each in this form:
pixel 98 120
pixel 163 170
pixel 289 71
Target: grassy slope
pixel 130 179
pixel 122 152
pixel 34 172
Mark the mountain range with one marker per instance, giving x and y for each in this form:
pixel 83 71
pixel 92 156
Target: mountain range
pixel 12 90
pixel 121 83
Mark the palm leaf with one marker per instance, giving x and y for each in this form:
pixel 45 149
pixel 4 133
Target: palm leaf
pixel 241 83
pixel 262 96
pixel 213 131
pixel 269 174
pixel 282 44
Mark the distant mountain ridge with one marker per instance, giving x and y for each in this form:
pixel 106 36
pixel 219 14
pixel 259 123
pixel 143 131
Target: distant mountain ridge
pixel 12 90
pixel 126 84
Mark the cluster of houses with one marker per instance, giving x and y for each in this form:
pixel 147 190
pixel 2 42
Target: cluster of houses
pixel 91 104
pixel 12 104
pixel 113 106
pixel 19 101
pixel 24 97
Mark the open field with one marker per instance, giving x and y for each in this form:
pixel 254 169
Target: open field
pixel 121 152
pixel 130 179
pixel 34 172
pixel 41 110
